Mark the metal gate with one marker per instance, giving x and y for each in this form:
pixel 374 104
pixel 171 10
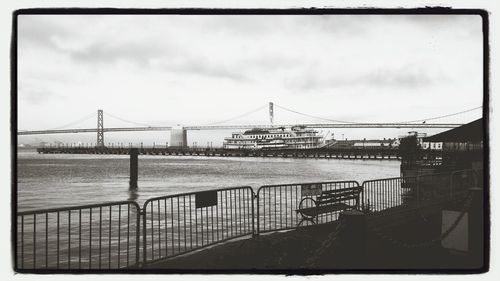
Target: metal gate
pixel 177 224
pixel 97 236
pixel 277 204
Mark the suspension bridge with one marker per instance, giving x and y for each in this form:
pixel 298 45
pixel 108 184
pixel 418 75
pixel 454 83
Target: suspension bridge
pixel 326 123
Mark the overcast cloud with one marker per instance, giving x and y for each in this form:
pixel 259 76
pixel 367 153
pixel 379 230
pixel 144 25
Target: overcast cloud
pixel 165 70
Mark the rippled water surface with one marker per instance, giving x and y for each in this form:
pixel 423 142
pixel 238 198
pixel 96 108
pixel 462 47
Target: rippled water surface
pixel 46 181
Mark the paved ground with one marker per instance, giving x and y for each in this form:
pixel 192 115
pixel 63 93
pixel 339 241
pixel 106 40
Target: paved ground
pixel 289 251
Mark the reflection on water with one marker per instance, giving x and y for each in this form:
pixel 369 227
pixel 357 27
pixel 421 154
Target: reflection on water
pixel 65 180
pixel 133 194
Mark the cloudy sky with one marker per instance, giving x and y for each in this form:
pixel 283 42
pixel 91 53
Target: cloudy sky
pixel 196 70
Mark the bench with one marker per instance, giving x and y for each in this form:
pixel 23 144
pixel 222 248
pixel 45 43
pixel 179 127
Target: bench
pixel 329 201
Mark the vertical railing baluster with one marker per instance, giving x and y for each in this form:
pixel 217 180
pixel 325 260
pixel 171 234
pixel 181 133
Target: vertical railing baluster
pixel 275 212
pixel 152 232
pixel 253 216
pixel 297 200
pixel 240 210
pixel 269 208
pixel 172 212
pixel 184 219
pixel 165 223
pixel 109 240
pixel 119 232
pixel 159 230
pixel 69 239
pixel 225 209
pixel 46 240
pixel 100 237
pixel 285 200
pixel 217 214
pixel 128 234
pixel 190 223
pixel 196 225
pixel 80 239
pixel 57 248
pixel 245 210
pixel 90 239
pixel 138 233
pixel 178 224
pixel 212 221
pixel 34 240
pixel 231 212
pixel 22 241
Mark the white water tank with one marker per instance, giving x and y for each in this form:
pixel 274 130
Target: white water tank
pixel 178 137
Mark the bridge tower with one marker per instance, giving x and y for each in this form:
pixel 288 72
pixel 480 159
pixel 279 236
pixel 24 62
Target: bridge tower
pixel 271 112
pixel 100 128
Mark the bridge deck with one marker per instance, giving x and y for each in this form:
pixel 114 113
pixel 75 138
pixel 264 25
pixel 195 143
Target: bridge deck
pixel 244 127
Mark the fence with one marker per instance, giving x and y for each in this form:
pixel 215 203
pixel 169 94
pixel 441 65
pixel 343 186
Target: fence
pixel 178 224
pixel 97 236
pixel 277 204
pixel 460 181
pixel 107 236
pixel 382 194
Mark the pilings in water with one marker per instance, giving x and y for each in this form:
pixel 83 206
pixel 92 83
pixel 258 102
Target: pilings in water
pixel 387 154
pixel 134 163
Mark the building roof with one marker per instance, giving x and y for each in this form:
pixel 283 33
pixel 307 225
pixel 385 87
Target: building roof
pixel 471 132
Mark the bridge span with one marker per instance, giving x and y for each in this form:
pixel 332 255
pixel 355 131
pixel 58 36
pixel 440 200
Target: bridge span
pixel 242 127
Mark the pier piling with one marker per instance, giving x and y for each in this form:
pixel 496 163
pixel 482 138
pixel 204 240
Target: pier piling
pixel 134 152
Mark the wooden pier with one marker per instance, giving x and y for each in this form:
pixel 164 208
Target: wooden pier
pixel 324 153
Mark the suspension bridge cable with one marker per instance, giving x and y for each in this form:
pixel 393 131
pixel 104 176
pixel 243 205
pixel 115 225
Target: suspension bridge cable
pixel 238 116
pixel 316 117
pixel 125 120
pixel 85 118
pixel 443 116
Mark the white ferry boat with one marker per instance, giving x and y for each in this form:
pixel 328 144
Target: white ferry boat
pixel 298 137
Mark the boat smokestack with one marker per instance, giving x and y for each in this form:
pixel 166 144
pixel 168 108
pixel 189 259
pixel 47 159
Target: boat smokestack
pixel 271 112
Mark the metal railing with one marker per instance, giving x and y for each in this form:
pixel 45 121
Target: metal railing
pixel 460 181
pixel 432 186
pixel 381 194
pixel 107 236
pixel 177 224
pixel 97 236
pixel 277 204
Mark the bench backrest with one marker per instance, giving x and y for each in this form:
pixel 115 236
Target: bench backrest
pixel 339 195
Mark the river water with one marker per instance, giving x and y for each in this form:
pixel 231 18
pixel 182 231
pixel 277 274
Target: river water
pixel 57 180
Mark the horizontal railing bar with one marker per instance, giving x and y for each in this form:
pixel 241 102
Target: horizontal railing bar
pixel 193 193
pixel 303 183
pixel 386 179
pixel 80 207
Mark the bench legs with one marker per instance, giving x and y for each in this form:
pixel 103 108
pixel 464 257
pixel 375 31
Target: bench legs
pixel 312 220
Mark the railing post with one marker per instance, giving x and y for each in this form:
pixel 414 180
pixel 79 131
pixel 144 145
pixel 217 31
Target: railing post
pixel 138 234
pixel 362 196
pixel 144 243
pixel 256 198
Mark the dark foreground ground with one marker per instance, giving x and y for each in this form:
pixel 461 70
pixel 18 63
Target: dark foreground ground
pixel 289 251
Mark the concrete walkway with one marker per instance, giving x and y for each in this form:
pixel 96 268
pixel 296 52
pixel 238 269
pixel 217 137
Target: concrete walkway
pixel 288 252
